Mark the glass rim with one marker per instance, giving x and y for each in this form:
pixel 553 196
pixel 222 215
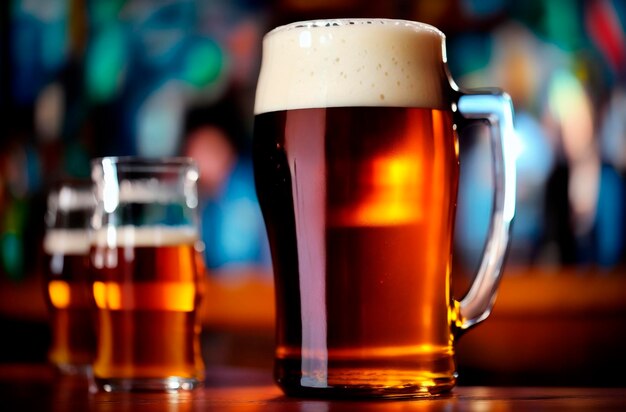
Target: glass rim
pixel 346 22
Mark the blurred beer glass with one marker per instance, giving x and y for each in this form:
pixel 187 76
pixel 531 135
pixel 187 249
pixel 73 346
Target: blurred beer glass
pixel 356 168
pixel 147 274
pixel 66 265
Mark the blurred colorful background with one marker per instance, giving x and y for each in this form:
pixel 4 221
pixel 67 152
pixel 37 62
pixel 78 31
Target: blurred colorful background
pixel 86 78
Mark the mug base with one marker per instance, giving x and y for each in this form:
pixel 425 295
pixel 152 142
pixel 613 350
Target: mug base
pixel 169 384
pixel 368 384
pixel 441 389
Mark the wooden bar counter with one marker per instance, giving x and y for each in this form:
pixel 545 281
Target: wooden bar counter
pixel 39 388
pixel 555 341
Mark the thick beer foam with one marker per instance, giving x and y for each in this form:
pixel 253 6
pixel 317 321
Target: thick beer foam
pixel 144 236
pixel 359 62
pixel 66 242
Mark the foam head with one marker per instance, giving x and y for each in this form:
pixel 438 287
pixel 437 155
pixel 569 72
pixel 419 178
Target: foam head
pixel 66 242
pixel 356 62
pixel 144 236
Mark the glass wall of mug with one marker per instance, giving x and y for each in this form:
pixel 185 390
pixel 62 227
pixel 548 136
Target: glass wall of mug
pixel 145 257
pixel 66 271
pixel 356 167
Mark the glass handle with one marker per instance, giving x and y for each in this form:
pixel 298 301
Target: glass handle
pixel 496 108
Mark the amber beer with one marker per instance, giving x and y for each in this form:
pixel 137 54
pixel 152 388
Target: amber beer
pixel 356 167
pixel 68 292
pixel 147 287
pixel 371 297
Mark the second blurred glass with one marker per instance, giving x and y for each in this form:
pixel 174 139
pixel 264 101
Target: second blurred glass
pixel 147 278
pixel 66 253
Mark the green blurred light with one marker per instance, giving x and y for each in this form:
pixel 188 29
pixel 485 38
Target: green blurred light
pixel 77 161
pixel 562 23
pixel 12 255
pixel 14 216
pixel 565 94
pixel 11 240
pixel 105 64
pixel 203 63
pixel 104 11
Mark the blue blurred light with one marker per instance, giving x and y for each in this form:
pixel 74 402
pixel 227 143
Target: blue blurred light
pixel 163 30
pixel 610 217
pixel 27 73
pixel 159 120
pixel 470 53
pixel 38 36
pixel 54 43
pixel 535 157
pixel 483 8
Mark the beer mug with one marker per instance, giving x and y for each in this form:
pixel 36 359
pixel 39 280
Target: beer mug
pixel 146 274
pixel 356 168
pixel 66 266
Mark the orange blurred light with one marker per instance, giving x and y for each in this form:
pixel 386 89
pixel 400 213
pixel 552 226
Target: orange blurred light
pixel 174 296
pixel 59 292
